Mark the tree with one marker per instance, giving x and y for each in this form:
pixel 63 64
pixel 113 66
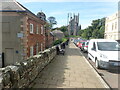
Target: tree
pixel 80 32
pixel 52 21
pixel 96 30
pixel 63 28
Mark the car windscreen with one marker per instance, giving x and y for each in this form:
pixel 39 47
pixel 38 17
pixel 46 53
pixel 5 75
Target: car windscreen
pixel 108 46
pixel 87 43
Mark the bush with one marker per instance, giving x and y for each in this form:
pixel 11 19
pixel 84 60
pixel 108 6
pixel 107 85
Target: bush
pixel 64 39
pixel 59 41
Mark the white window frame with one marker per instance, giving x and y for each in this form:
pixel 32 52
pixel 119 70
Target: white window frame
pixel 31 28
pixel 37 48
pixel 37 30
pixel 41 47
pixel 31 51
pixel 42 29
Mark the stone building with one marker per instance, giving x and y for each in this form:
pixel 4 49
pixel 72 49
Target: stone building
pixel 57 34
pixel 112 27
pixel 73 26
pixel 22 32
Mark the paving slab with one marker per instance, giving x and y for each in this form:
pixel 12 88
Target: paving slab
pixel 68 71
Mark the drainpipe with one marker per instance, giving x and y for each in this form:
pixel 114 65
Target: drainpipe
pixel 3 63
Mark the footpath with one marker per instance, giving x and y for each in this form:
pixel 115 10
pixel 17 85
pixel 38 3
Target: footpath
pixel 71 70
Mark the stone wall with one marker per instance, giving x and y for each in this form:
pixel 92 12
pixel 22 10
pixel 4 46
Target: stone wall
pixel 22 74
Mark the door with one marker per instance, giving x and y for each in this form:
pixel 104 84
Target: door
pixel 9 56
pixel 93 51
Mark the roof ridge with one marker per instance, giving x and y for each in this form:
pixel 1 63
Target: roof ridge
pixel 19 5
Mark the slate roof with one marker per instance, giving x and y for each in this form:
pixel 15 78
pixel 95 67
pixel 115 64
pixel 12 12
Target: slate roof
pixel 10 5
pixel 58 33
pixel 13 6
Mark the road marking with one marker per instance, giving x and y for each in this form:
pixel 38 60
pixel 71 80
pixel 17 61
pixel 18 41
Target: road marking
pixel 100 78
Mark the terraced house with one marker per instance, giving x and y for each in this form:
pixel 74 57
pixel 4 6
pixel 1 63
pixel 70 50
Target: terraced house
pixel 112 28
pixel 22 32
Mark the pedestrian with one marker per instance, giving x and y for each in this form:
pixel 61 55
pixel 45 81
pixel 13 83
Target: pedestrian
pixel 58 50
pixel 63 45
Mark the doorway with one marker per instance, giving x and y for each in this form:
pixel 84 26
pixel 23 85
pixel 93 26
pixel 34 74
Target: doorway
pixel 9 56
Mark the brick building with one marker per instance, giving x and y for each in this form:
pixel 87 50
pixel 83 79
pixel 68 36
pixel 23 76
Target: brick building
pixel 22 33
pixel 49 39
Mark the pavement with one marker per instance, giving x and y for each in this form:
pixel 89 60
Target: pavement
pixel 69 71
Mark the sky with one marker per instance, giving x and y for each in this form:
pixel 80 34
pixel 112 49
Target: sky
pixel 88 9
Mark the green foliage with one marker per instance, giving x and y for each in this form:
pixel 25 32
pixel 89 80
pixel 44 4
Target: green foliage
pixel 74 36
pixel 63 28
pixel 96 30
pixel 52 21
pixel 80 32
pixel 64 39
pixel 59 41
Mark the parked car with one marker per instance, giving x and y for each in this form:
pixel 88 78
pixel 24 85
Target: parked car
pixel 104 52
pixel 80 44
pixel 84 47
pixel 76 41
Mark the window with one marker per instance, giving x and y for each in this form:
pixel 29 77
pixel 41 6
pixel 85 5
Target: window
pixel 31 28
pixel 41 29
pixel 31 51
pixel 37 31
pixel 112 26
pixel 37 48
pixel 94 46
pixel 41 47
pixel 106 27
pixel 115 25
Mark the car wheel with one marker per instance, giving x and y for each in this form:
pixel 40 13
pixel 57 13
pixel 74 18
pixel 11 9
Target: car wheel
pixel 83 51
pixel 97 64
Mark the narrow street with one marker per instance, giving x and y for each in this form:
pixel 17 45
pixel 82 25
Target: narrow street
pixel 69 71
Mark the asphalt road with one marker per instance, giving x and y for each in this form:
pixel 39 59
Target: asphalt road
pixel 112 78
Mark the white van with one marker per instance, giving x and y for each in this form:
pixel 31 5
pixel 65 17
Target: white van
pixel 105 53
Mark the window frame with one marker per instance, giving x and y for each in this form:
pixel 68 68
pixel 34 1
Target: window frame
pixel 31 51
pixel 42 29
pixel 41 49
pixel 37 48
pixel 31 28
pixel 37 29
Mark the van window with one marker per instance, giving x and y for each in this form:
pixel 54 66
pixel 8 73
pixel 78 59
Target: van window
pixel 94 47
pixel 108 46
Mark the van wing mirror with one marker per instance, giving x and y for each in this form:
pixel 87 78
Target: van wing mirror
pixel 93 49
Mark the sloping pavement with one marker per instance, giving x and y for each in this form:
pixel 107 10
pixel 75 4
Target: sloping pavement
pixel 68 71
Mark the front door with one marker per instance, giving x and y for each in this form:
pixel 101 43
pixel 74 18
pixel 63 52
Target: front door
pixel 9 56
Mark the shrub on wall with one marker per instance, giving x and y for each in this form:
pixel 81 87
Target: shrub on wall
pixel 59 41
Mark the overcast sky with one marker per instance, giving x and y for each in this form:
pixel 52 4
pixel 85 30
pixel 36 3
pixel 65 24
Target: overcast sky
pixel 88 9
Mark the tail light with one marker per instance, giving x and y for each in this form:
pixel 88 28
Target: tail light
pixel 86 46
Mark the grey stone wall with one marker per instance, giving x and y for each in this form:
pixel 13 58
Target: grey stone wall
pixel 23 73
